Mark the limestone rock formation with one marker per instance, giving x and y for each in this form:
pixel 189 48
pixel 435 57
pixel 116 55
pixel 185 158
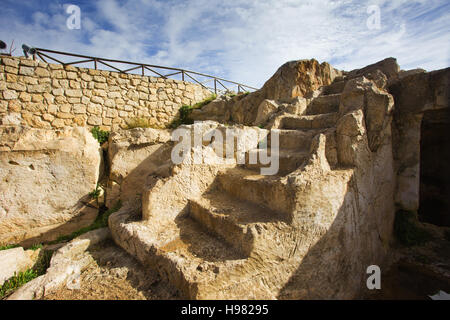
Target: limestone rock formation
pixel 299 79
pixel 66 265
pixel 388 67
pixel 288 192
pixel 45 180
pixel 133 155
pixel 293 79
pixel 309 231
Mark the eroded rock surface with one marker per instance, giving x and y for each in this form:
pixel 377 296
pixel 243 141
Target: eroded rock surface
pixel 133 155
pixel 311 230
pixel 293 79
pixel 45 180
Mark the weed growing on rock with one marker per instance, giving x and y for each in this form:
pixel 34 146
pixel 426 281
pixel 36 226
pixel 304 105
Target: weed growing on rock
pixel 19 279
pixel 8 246
pixel 94 194
pixel 101 135
pixel 35 247
pixel 186 110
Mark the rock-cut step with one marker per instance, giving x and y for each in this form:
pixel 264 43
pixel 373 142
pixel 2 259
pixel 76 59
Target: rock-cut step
pixel 200 264
pixel 335 87
pixel 238 222
pixel 319 121
pixel 288 160
pixel 190 257
pixel 249 185
pixel 293 139
pixel 324 104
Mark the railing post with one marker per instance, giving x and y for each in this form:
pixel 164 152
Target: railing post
pixel 182 75
pixel 143 72
pixel 215 86
pixel 95 64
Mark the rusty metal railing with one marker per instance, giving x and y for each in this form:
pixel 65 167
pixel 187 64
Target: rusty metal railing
pixel 142 68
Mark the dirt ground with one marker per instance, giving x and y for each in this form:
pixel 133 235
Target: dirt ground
pixel 115 275
pixel 419 272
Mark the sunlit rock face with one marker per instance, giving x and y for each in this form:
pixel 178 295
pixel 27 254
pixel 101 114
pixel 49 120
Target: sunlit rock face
pixel 309 231
pixel 45 180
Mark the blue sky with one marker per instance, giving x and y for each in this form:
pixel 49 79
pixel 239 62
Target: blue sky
pixel 245 41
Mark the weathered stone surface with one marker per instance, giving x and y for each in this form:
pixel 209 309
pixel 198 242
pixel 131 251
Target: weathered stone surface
pixel 293 79
pixel 298 78
pixel 227 230
pixel 13 261
pixel 387 66
pixel 283 236
pixel 265 109
pixel 66 266
pixel 46 177
pixel 133 156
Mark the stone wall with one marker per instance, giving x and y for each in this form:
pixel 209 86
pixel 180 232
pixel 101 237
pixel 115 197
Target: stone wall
pixel 45 95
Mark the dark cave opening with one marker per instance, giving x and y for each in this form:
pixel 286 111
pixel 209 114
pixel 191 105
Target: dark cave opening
pixel 435 168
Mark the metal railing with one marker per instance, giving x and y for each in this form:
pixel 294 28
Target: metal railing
pixel 182 74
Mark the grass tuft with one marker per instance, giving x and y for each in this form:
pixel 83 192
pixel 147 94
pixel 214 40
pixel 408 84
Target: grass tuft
pixel 94 194
pixel 186 110
pixel 35 247
pixel 19 279
pixel 8 246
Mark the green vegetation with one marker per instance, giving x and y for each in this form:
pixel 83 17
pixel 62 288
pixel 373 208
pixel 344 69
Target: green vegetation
pixel 9 246
pixel 100 135
pixel 186 110
pixel 95 193
pixel 18 280
pixel 100 222
pixel 231 94
pixel 407 229
pixel 204 102
pixel 35 247
pixel 43 262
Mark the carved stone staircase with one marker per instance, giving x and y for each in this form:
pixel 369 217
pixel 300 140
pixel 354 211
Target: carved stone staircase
pixel 234 241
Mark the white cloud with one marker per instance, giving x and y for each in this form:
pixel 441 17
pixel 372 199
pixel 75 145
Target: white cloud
pixel 245 41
